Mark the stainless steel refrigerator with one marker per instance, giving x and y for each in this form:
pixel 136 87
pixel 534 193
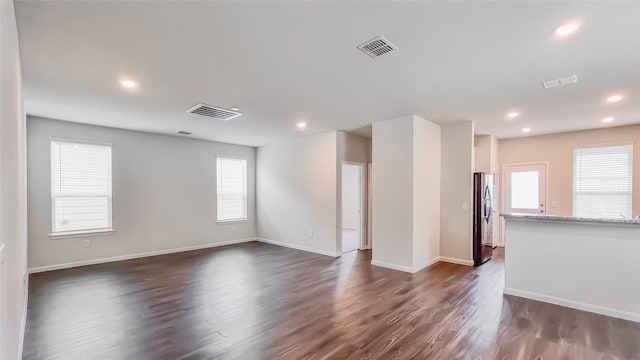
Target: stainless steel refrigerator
pixel 482 217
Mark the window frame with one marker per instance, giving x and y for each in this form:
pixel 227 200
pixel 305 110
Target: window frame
pixel 246 189
pixel 85 232
pixel 631 171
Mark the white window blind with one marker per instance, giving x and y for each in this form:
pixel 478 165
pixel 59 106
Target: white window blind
pixel 80 187
pixel 231 188
pixel 602 181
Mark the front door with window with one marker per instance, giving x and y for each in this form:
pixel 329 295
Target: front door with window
pixel 525 189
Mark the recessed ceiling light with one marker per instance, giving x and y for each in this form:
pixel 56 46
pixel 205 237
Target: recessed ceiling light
pixel 301 125
pixel 614 98
pixel 566 29
pixel 234 108
pixel 128 83
pixel 608 119
pixel 513 115
pixel 526 130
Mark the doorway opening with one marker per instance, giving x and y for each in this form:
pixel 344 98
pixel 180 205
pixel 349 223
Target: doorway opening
pixel 352 205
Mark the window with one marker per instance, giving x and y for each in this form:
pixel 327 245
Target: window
pixel 602 181
pixel 231 188
pixel 80 187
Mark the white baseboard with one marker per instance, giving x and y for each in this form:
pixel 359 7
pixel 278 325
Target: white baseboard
pixel 456 261
pixel 574 304
pixel 135 256
pixel 299 247
pixel 404 268
pixel 392 266
pixel 427 264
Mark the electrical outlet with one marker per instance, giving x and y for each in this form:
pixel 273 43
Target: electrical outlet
pixel 233 228
pixel 310 233
pixel 86 243
pixel 465 206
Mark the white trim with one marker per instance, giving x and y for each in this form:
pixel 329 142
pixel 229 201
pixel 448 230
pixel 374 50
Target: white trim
pixel 299 247
pixel 428 263
pixel 574 304
pixel 77 234
pixel 456 261
pixel 135 256
pixel 79 141
pixel 391 266
pixel 232 221
pixel 419 268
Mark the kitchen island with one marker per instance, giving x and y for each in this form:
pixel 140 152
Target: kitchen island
pixel 583 263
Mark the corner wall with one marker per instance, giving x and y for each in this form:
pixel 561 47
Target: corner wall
pixel 456 223
pixel 13 189
pixel 426 192
pixel 164 194
pixel 297 192
pixel 393 193
pixel 406 193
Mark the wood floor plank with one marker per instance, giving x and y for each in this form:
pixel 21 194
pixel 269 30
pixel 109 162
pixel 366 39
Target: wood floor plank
pixel 259 301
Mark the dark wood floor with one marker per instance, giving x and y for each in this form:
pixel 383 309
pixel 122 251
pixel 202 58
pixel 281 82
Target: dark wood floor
pixel 259 301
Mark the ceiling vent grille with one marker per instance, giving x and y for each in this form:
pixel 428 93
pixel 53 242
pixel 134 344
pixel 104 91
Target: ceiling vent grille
pixel 377 47
pixel 214 112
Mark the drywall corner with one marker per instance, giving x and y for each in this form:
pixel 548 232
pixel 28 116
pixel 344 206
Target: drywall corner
pixel 456 202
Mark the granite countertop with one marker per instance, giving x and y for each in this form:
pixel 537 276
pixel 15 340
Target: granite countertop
pixel 557 218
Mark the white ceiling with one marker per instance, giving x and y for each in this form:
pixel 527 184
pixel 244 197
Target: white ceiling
pixel 284 61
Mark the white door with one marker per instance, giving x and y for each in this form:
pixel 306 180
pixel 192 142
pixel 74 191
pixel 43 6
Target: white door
pixel 525 189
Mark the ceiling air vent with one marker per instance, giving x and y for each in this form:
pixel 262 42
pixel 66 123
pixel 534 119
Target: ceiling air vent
pixel 560 82
pixel 184 133
pixel 377 47
pixel 214 112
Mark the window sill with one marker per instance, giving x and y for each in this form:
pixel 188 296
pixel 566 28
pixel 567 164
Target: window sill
pixel 234 221
pixel 77 234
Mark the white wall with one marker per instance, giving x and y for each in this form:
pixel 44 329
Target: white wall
pixel 456 226
pixel 406 193
pixel 297 189
pixel 350 196
pixel 353 148
pixel 426 192
pixel 589 266
pixel 393 192
pixel 13 190
pixel 164 193
pixel 557 150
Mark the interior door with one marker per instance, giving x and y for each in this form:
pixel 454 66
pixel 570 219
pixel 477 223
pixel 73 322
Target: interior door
pixel 525 189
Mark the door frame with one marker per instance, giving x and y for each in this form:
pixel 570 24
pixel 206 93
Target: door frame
pixel 361 203
pixel 503 192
